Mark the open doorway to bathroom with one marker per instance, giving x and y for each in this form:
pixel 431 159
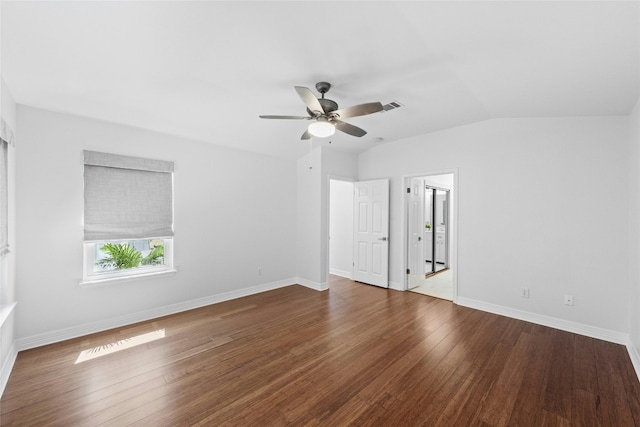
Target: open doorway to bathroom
pixel 430 227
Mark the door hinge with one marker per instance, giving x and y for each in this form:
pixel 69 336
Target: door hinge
pixel 408 271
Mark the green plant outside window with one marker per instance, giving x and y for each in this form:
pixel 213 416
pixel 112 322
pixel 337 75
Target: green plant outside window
pixel 125 255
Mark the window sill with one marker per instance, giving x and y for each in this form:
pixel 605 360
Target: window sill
pixel 5 311
pixel 110 280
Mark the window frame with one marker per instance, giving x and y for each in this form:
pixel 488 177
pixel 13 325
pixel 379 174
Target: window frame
pixel 90 276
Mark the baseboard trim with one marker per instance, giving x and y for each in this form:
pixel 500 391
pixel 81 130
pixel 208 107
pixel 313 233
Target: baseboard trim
pixel 341 273
pixel 565 325
pixel 395 286
pixel 635 358
pixel 317 286
pixel 90 328
pixel 7 367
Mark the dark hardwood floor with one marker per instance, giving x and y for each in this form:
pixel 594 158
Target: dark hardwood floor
pixel 355 355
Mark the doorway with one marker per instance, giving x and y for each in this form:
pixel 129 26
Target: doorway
pixel 430 235
pixel 341 228
pixel 358 247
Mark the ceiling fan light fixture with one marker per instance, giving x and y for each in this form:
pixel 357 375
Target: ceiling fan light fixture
pixel 322 128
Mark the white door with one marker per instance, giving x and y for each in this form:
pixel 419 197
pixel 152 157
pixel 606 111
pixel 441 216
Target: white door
pixel 415 264
pixel 371 232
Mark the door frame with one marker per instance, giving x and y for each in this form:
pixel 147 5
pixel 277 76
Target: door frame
pixel 453 237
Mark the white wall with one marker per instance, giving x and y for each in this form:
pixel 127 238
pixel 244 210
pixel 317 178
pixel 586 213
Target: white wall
pixel 335 164
pixel 313 210
pixel 308 244
pixel 341 228
pixel 7 262
pixel 234 212
pixel 634 236
pixel 557 223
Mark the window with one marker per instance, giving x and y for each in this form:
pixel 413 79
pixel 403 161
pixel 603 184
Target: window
pixel 4 200
pixel 128 216
pixel 6 139
pixel 116 259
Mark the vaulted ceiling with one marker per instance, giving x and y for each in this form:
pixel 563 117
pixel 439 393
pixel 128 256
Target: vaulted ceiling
pixel 206 70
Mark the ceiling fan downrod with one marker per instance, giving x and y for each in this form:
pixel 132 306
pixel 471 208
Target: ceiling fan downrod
pixel 323 87
pixel 327 104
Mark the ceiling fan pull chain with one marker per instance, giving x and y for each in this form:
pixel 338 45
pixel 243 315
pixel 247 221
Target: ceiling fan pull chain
pixel 310 153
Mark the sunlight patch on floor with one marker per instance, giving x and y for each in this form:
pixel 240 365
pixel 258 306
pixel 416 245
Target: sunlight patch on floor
pixel 113 347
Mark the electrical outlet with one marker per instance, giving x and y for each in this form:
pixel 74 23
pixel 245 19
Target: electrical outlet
pixel 568 300
pixel 259 271
pixel 524 292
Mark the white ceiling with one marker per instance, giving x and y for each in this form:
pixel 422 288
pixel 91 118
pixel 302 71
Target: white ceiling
pixel 206 70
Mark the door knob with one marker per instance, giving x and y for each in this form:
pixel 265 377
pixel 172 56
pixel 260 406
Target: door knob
pixel 382 238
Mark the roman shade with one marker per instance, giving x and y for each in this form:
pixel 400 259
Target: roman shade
pixel 126 197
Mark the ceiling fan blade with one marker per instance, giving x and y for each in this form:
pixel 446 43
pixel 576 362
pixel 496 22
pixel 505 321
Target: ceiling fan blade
pixel 306 135
pixel 358 110
pixel 285 117
pixel 348 128
pixel 309 99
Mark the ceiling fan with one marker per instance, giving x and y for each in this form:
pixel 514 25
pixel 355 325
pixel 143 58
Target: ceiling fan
pixel 325 113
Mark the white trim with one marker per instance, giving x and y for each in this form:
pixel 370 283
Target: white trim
pixel 5 311
pixel 90 328
pixel 120 279
pixel 6 133
pixel 635 358
pixel 7 367
pixel 341 273
pixel 553 322
pixel 396 286
pixel 316 286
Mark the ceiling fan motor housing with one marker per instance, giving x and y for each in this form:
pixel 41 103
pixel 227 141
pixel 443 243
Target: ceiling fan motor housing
pixel 328 105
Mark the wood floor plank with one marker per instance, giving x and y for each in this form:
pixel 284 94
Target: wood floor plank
pixel 535 378
pixel 354 355
pixel 503 393
pixel 559 393
pixel 585 376
pixel 613 407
